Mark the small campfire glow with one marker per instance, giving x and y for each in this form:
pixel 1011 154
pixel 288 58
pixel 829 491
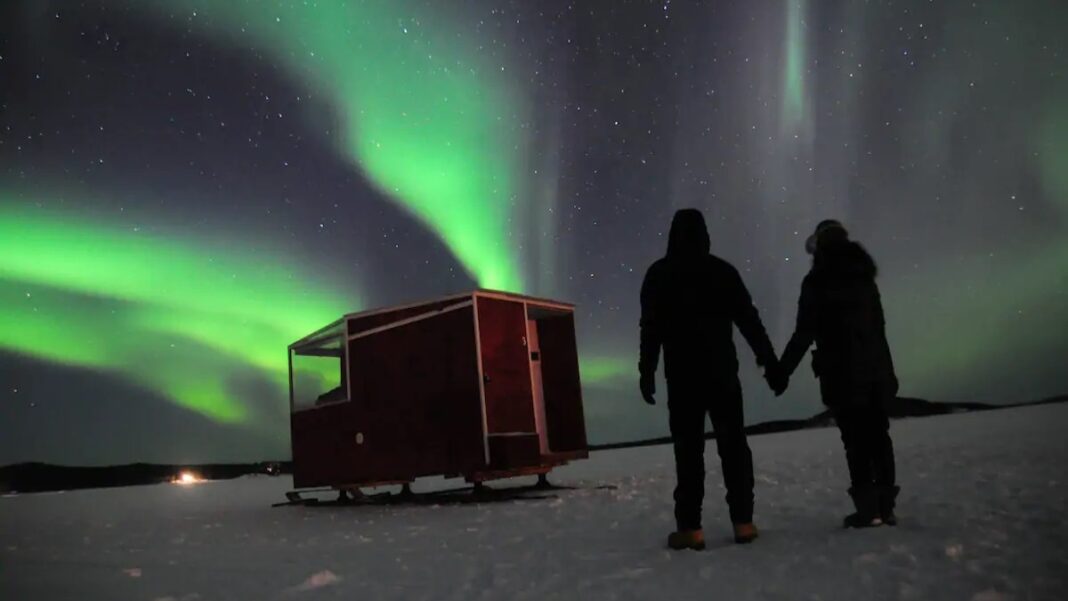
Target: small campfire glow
pixel 187 478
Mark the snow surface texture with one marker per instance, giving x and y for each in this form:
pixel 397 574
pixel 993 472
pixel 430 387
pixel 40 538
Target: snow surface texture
pixel 982 510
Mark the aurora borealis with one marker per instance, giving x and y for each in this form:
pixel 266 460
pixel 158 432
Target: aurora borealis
pixel 113 300
pixel 416 110
pixel 187 187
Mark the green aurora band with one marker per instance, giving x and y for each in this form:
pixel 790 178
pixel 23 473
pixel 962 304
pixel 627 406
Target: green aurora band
pixel 793 109
pixel 423 119
pixel 935 353
pixel 179 318
pixel 607 371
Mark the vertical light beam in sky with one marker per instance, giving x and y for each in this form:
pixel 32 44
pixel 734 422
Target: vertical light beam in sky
pixel 1052 152
pixel 421 114
pixel 792 108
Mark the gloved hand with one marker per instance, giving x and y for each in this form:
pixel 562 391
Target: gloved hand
pixel 776 378
pixel 647 384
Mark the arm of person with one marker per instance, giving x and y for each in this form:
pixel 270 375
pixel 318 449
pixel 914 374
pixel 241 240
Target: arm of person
pixel 804 331
pixel 882 337
pixel 745 315
pixel 651 333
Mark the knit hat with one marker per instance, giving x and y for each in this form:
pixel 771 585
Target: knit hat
pixel 821 228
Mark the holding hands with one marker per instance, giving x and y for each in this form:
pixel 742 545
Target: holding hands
pixel 774 374
pixel 776 377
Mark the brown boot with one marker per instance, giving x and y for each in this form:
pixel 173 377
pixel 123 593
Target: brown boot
pixel 687 539
pixel 745 533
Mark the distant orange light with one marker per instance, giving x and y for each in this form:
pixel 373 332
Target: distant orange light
pixel 187 478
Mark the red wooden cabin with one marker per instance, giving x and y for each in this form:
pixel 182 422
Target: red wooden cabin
pixel 482 385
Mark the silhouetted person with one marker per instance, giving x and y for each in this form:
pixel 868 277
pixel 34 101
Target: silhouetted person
pixel 690 299
pixel 841 312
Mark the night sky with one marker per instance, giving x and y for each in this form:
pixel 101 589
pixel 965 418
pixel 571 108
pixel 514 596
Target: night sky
pixel 188 186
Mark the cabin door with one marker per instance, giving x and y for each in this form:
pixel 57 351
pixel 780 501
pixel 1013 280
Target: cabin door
pixel 502 327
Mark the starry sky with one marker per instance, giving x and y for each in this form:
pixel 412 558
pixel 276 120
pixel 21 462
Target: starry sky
pixel 188 186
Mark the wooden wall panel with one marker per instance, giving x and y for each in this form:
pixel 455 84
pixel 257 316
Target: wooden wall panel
pixel 508 452
pixel 560 380
pixel 415 406
pixel 417 384
pixel 322 452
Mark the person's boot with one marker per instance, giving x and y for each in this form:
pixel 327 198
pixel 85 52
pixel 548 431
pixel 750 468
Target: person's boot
pixel 866 515
pixel 887 500
pixel 745 533
pixel 687 539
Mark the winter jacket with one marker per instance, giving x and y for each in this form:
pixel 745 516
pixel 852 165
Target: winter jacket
pixel 689 301
pixel 840 310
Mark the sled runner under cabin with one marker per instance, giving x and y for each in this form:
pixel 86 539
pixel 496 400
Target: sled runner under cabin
pixel 483 385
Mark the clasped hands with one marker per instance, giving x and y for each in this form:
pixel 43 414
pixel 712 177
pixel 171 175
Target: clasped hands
pixel 776 377
pixel 774 374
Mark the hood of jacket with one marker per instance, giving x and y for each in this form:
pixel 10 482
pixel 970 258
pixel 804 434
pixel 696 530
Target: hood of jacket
pixel 689 235
pixel 843 260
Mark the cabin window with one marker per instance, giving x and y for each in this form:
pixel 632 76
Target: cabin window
pixel 318 373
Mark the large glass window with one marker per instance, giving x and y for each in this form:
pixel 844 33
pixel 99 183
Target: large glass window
pixel 319 372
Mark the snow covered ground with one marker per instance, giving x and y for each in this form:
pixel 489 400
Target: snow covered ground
pixel 982 509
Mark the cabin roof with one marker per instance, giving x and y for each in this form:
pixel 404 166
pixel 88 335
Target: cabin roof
pixel 479 292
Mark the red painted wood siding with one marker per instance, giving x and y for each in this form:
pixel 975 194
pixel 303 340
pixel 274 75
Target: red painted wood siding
pixel 564 416
pixel 415 400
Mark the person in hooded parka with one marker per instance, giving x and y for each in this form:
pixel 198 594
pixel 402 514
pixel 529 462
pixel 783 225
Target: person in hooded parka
pixel 841 312
pixel 690 299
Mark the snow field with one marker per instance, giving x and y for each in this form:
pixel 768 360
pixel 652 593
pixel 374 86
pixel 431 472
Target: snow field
pixel 982 507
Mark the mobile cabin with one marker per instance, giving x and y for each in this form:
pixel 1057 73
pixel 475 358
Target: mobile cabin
pixel 482 385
